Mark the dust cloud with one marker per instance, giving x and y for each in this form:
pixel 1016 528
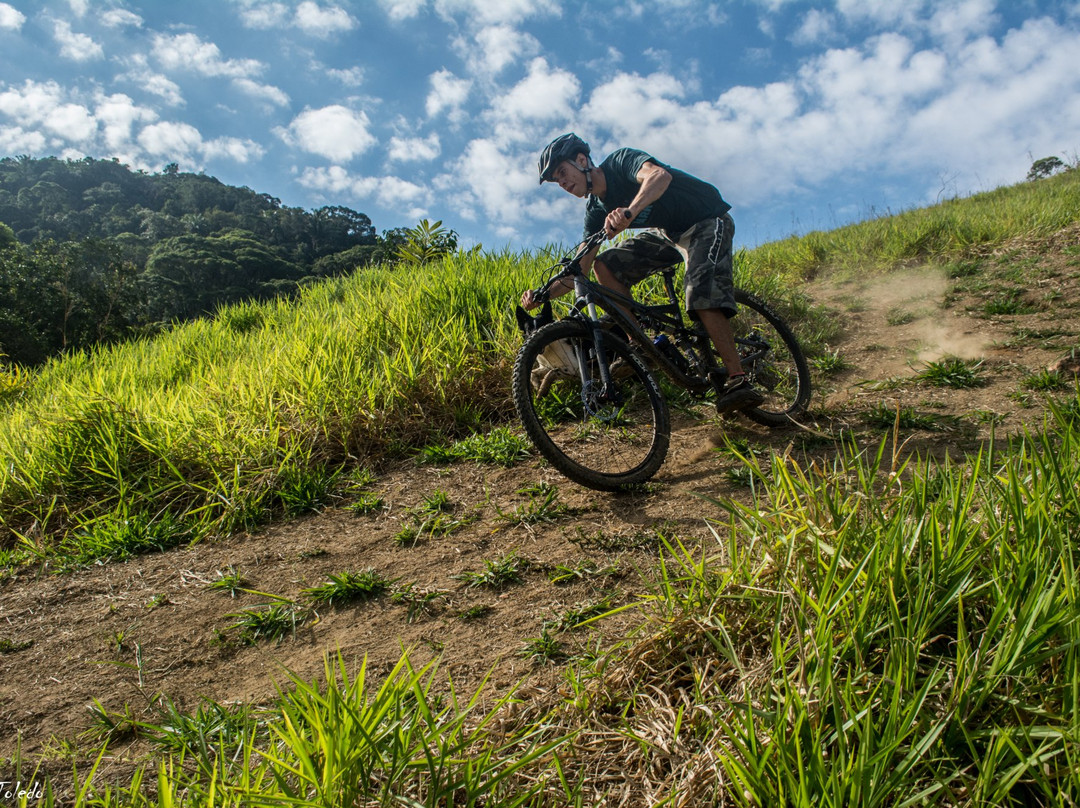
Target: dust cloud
pixel 908 306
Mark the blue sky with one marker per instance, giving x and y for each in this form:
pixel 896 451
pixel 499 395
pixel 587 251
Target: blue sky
pixel 806 115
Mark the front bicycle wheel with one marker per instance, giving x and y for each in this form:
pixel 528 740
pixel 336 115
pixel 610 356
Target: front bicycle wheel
pixel 773 361
pixel 601 438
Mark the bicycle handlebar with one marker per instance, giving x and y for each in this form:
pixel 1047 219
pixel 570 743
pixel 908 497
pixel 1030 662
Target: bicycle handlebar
pixel 570 266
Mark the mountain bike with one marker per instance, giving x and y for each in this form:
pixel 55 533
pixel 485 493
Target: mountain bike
pixel 584 386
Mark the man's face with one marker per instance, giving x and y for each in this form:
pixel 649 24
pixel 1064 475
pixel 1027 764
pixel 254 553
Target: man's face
pixel 571 178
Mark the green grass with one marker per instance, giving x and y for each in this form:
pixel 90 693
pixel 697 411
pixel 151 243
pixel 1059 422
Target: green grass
pixel 1046 381
pixel 545 649
pixel 952 233
pixel 582 570
pixel 877 630
pixel 419 601
pixel 581 614
pixel 952 372
pixel 1005 303
pixel 224 430
pixel 872 628
pixel 229 580
pixel 272 621
pixel 220 429
pixel 830 362
pixel 501 446
pixel 476 612
pixel 543 506
pixel 345 587
pixel 884 416
pixel 367 502
pixel 497 573
pixel 648 540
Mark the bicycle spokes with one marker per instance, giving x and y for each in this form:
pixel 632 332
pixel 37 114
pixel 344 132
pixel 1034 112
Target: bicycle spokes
pixel 601 435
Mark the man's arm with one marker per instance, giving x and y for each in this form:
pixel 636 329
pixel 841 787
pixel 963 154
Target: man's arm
pixel 562 287
pixel 653 181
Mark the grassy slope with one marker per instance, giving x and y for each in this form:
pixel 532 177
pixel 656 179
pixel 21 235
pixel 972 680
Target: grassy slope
pixel 211 421
pixel 884 630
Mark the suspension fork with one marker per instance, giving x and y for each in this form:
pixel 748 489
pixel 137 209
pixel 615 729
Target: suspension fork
pixel 584 299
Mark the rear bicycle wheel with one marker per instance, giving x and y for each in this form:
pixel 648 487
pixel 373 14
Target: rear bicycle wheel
pixel 773 361
pixel 600 438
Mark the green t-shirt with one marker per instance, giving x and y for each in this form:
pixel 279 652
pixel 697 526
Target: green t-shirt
pixel 686 201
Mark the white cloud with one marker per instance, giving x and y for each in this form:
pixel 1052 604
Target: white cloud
pixel 43 106
pixel 334 132
pixel 885 13
pixel 772 5
pixel 16 140
pixel 51 118
pixel 448 92
pixel 389 192
pixel 77 47
pixel 175 141
pixel 545 94
pixel 671 13
pixel 121 17
pixel 499 192
pixel 408 149
pixel 262 92
pixel 1007 98
pixel 236 149
pixel 159 85
pixel 189 52
pixel 309 17
pixel 817 27
pixel 313 19
pixel 11 19
pixel 958 22
pixel 524 113
pixel 350 77
pixel 475 12
pixel 886 108
pixel 265 15
pixel 117 114
pixel 79 7
pixel 497 47
pixel 494 12
pixel 183 143
pixel 399 10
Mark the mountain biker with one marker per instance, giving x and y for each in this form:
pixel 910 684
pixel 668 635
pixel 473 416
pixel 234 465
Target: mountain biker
pixel 685 219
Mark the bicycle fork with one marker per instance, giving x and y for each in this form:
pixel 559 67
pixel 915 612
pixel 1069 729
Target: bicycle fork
pixel 608 393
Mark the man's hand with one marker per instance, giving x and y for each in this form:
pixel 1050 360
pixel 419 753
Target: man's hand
pixel 617 221
pixel 528 300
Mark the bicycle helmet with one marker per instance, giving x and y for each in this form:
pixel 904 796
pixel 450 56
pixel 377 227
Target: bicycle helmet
pixel 564 147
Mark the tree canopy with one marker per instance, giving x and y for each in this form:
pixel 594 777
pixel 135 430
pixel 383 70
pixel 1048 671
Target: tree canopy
pixel 93 251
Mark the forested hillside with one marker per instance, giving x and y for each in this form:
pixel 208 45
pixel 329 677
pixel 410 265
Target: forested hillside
pixel 91 251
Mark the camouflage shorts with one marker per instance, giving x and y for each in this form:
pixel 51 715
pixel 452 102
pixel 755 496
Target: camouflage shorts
pixel 706 249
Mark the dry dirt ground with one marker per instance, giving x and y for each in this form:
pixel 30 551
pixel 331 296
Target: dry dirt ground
pixel 129 634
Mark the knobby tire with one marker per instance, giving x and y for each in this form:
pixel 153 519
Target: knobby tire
pixel 598 443
pixel 781 373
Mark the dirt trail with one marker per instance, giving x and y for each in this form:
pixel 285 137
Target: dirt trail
pixel 128 634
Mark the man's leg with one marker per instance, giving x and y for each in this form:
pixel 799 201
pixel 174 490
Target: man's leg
pixel 620 267
pixel 718 327
pixel 609 281
pixel 710 295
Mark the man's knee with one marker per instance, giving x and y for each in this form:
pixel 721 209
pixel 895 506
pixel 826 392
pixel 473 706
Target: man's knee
pixel 604 274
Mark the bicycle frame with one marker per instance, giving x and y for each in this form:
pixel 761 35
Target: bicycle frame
pixel 666 318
